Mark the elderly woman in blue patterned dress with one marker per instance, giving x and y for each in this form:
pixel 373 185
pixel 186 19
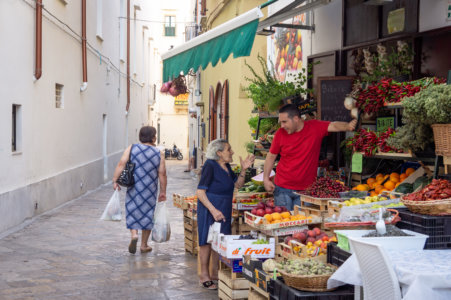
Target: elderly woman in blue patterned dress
pixel 215 193
pixel 141 198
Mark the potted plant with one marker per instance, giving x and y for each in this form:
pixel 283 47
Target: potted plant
pixel 430 106
pixel 268 93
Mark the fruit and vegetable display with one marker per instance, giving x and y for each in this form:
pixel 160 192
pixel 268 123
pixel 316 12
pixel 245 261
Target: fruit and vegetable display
pixel 393 204
pixel 390 231
pixel 438 189
pixel 315 241
pixel 325 187
pixel 361 215
pixel 261 242
pixel 305 267
pixel 251 187
pixel 366 200
pixel 384 182
pixel 267 208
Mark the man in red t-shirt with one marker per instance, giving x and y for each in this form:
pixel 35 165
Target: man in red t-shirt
pixel 298 142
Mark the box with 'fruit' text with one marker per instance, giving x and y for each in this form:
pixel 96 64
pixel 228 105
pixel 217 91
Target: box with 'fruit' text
pixel 230 246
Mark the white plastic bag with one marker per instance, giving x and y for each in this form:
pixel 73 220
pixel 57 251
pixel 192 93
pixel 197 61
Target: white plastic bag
pixel 112 210
pixel 213 232
pixel 161 231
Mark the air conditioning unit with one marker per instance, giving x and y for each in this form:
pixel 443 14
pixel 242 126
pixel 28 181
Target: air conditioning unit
pixel 377 2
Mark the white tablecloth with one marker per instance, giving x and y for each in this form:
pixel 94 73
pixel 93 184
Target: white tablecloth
pixel 424 274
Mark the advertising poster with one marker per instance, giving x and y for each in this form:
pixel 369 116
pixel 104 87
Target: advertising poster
pixel 285 49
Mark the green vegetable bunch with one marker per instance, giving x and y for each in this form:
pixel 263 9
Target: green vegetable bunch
pixel 266 125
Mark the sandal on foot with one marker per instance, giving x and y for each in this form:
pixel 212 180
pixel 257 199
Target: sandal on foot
pixel 132 246
pixel 209 285
pixel 148 249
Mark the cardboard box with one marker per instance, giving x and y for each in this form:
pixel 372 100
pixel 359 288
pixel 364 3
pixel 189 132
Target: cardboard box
pixel 231 247
pixel 249 266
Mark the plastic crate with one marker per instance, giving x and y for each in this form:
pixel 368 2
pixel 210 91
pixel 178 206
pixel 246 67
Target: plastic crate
pixel 438 242
pixel 280 291
pixel 427 221
pixel 430 231
pixel 336 255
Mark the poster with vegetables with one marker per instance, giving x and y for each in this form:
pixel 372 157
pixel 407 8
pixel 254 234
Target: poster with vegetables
pixel 285 49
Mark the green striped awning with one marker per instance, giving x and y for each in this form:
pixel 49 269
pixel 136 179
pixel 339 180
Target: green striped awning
pixel 213 45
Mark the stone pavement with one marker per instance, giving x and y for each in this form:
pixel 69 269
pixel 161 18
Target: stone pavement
pixel 68 253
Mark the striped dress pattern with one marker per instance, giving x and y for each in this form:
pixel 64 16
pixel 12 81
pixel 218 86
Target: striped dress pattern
pixel 141 198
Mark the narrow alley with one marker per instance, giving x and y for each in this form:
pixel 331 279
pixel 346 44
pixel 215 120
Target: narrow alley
pixel 68 253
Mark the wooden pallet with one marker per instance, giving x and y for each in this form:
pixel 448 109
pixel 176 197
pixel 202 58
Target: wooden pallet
pixel 231 285
pixel 256 293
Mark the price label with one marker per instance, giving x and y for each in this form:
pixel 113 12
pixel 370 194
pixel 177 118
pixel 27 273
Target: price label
pixel 357 162
pixel 383 123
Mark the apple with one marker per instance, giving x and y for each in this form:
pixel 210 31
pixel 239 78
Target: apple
pixel 325 238
pixel 254 211
pixel 260 212
pixel 278 209
pixel 317 231
pixel 311 233
pixel 268 210
pixel 270 203
pixel 261 205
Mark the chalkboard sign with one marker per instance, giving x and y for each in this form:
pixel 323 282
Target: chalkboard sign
pixel 331 95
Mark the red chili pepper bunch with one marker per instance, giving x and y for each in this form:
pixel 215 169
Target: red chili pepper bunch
pixel 364 141
pixel 382 141
pixel 438 189
pixel 387 90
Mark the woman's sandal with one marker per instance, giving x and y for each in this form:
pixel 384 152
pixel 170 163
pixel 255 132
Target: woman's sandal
pixel 209 285
pixel 132 246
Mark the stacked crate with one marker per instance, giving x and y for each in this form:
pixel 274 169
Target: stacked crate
pixel 239 226
pixel 231 284
pixel 438 228
pixel 191 237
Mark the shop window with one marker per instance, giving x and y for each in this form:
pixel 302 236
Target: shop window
pixel 59 96
pixel 16 136
pixel 169 25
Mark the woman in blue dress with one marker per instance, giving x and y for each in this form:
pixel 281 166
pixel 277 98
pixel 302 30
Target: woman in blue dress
pixel 215 194
pixel 141 198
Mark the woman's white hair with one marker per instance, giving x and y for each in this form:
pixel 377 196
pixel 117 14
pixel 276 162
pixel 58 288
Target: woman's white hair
pixel 215 146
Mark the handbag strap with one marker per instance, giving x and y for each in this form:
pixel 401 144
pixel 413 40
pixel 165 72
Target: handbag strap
pixel 130 154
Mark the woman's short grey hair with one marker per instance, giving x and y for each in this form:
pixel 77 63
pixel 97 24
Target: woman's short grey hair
pixel 215 146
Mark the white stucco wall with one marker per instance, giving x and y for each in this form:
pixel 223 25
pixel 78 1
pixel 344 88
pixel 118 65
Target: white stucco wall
pixel 433 14
pixel 62 148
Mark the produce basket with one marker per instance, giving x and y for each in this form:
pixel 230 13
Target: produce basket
pixel 442 139
pixel 429 207
pixel 309 283
pixel 261 223
pixel 362 225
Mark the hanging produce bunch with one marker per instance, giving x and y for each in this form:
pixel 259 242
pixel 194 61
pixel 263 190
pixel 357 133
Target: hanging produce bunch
pixel 387 90
pixel 175 87
pixel 369 142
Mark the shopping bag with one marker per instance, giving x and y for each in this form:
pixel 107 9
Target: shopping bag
pixel 213 232
pixel 161 231
pixel 112 210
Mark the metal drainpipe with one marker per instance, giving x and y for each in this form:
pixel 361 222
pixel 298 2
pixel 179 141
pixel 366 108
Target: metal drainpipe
pixel 38 41
pixel 128 56
pixel 83 46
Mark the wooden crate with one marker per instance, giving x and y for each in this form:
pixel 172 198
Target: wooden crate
pixel 191 235
pixel 356 179
pixel 231 285
pixel 314 212
pixel 191 246
pixel 256 293
pixel 189 224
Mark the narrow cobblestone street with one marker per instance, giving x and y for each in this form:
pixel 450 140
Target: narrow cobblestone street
pixel 68 253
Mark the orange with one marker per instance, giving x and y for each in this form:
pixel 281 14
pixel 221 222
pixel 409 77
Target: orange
pixel 397 184
pixel 389 185
pixel 403 176
pixel 285 215
pixel 379 176
pixel 362 187
pixel 371 181
pixel 410 171
pixel 378 188
pixel 386 176
pixel 276 216
pixel 286 220
pixel 275 221
pixel 373 193
pixel 394 179
pixel 268 218
pixel 394 174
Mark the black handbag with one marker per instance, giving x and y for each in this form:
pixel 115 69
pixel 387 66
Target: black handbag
pixel 126 178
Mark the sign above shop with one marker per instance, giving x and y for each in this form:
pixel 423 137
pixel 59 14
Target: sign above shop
pixel 181 99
